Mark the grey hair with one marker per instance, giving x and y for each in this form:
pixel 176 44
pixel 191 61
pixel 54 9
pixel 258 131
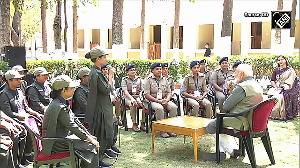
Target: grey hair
pixel 247 69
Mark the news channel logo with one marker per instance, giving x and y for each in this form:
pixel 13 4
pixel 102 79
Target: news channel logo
pixel 281 19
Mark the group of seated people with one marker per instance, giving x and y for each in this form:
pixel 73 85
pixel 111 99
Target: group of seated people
pixel 94 96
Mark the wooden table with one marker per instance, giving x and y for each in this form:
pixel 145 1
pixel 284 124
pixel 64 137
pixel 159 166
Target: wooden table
pixel 183 125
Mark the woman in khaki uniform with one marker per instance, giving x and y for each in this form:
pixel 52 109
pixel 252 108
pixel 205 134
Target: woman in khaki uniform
pixel 157 90
pixel 218 80
pixel 195 90
pixel 132 86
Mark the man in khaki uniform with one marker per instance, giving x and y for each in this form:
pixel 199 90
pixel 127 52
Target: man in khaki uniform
pixel 132 86
pixel 195 90
pixel 157 90
pixel 218 80
pixel 165 73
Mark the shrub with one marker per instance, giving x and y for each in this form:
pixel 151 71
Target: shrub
pixel 262 65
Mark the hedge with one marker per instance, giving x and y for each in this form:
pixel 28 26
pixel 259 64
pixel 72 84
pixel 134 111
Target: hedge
pixel 262 65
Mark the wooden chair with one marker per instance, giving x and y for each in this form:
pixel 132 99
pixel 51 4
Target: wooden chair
pixel 258 119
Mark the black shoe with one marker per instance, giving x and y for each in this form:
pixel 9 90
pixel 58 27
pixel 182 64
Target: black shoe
pixel 25 162
pixel 110 154
pixel 104 165
pixel 212 156
pixel 116 150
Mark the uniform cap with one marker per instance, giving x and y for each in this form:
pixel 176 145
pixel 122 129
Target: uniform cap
pixel 193 63
pixel 83 72
pixel 202 61
pixel 223 59
pixel 63 81
pixel 40 71
pixel 97 52
pixel 130 66
pixel 12 74
pixel 18 68
pixel 104 66
pixel 164 65
pixel 156 64
pixel 237 63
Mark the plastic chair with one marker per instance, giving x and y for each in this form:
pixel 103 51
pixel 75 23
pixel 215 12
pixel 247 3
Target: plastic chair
pixel 257 117
pixel 41 159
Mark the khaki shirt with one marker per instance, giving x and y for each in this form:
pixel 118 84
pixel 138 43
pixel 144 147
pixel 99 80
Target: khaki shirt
pixel 190 83
pixel 151 86
pixel 127 83
pixel 171 82
pixel 207 74
pixel 219 77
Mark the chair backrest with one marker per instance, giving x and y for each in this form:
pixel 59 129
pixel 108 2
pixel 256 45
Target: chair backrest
pixel 261 115
pixel 34 132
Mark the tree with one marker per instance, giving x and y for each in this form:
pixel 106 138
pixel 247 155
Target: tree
pixel 278 31
pixel 142 42
pixel 117 22
pixel 176 24
pixel 66 26
pixel 57 26
pixel 44 28
pixel 4 23
pixel 293 16
pixel 16 30
pixel 75 30
pixel 227 18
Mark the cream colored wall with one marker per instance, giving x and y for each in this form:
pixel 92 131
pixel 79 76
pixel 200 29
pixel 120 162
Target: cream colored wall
pixel 135 36
pixel 80 38
pixel 96 36
pixel 236 39
pixel 151 35
pixel 204 34
pixel 297 34
pixel 266 35
pixel 170 37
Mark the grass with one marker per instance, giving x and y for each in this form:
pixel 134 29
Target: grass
pixel 171 152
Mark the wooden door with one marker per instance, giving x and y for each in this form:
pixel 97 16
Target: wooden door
pixel 256 35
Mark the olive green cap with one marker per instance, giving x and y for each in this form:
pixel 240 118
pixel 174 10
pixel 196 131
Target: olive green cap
pixel 40 71
pixel 12 74
pixel 83 72
pixel 18 68
pixel 97 52
pixel 63 81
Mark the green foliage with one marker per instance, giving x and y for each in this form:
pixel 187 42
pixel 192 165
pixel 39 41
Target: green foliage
pixel 262 65
pixel 4 66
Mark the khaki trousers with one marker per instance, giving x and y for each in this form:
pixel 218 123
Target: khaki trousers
pixel 159 109
pixel 195 107
pixel 134 111
pixel 221 98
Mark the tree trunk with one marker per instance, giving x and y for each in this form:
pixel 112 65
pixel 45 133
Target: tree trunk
pixel 142 42
pixel 293 16
pixel 44 28
pixel 75 35
pixel 66 26
pixel 176 24
pixel 4 23
pixel 278 31
pixel 57 26
pixel 117 22
pixel 227 18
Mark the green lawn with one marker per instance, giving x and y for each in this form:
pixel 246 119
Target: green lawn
pixel 171 152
